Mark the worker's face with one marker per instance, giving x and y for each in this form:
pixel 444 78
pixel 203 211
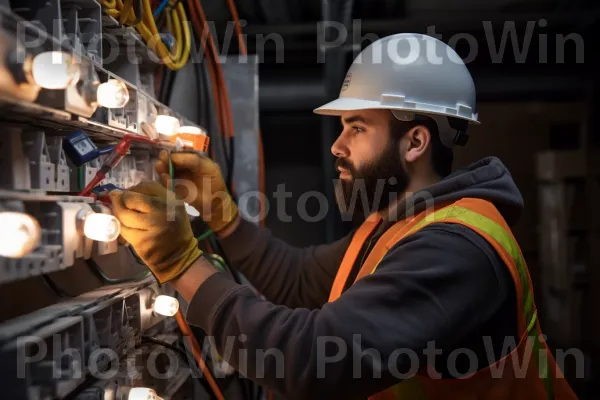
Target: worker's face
pixel 368 161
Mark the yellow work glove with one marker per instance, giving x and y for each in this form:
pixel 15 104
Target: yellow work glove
pixel 194 173
pixel 157 226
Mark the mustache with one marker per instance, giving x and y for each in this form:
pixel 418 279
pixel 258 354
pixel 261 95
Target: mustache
pixel 345 164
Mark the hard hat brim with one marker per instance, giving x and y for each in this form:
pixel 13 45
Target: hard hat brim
pixel 338 106
pixel 342 104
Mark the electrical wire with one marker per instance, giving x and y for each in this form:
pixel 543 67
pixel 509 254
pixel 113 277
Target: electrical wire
pixel 160 8
pixel 114 158
pixel 182 353
pixel 149 339
pixel 141 17
pixel 217 261
pixel 106 150
pixel 54 287
pixel 96 270
pixel 171 174
pixel 204 235
pixel 215 70
pixel 197 353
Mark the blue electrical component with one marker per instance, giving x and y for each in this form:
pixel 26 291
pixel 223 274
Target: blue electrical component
pixel 105 188
pixel 80 149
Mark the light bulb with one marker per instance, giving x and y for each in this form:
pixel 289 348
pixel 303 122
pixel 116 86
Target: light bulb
pixel 101 227
pixel 54 70
pixel 166 125
pixel 166 305
pixel 113 94
pixel 20 234
pixel 142 394
pixel 190 130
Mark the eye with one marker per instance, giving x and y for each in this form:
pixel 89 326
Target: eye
pixel 357 129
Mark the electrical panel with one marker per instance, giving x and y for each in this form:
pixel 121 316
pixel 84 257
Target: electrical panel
pixel 84 325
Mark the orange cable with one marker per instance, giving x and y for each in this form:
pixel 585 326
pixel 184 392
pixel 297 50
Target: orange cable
pixel 219 71
pixel 197 353
pixel 238 27
pixel 211 67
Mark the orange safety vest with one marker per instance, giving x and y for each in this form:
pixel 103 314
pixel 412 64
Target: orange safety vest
pixel 537 375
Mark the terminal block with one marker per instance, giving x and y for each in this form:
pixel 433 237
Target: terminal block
pixel 59 159
pixel 13 161
pixel 43 171
pixel 49 361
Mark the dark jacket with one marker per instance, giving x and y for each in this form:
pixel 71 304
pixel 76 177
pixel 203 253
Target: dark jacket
pixel 444 287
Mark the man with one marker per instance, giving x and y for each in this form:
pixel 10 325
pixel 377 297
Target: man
pixel 432 286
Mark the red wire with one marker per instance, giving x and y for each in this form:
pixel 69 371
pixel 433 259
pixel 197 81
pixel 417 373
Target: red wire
pixel 122 146
pixel 97 179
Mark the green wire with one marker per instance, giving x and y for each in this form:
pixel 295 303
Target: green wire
pixel 217 261
pixel 80 178
pixel 205 235
pixel 171 174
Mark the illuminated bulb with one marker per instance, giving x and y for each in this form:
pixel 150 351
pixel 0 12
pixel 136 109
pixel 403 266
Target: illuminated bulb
pixel 166 125
pixel 101 227
pixel 166 305
pixel 20 234
pixel 142 394
pixel 191 130
pixel 54 70
pixel 113 94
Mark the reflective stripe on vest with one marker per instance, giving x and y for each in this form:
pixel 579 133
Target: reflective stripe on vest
pixel 482 224
pixel 482 217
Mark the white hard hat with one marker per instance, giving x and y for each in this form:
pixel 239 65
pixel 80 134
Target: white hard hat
pixel 410 74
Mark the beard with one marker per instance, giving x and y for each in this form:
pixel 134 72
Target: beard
pixel 373 187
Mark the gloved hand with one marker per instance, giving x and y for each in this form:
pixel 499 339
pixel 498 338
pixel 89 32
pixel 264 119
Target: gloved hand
pixel 212 200
pixel 156 224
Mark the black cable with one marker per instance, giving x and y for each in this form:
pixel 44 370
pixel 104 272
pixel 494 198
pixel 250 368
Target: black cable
pixel 183 354
pixel 99 273
pixel 171 84
pixel 346 13
pixel 54 287
pixel 163 84
pixel 203 96
pixel 137 258
pixel 138 9
pixel 230 167
pixel 166 86
pixel 89 381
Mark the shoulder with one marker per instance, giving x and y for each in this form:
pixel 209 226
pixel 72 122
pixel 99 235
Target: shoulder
pixel 452 251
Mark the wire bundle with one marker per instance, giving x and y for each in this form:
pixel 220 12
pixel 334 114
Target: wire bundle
pixel 141 17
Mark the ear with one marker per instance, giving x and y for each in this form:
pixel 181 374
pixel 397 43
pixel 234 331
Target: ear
pixel 417 143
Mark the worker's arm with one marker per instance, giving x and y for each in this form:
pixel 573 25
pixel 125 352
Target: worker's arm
pixel 284 274
pixel 437 287
pixel 295 277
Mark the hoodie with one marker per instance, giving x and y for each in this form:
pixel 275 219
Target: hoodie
pixel 441 301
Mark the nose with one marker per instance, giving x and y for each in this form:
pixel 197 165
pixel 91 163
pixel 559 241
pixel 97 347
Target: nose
pixel 339 148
